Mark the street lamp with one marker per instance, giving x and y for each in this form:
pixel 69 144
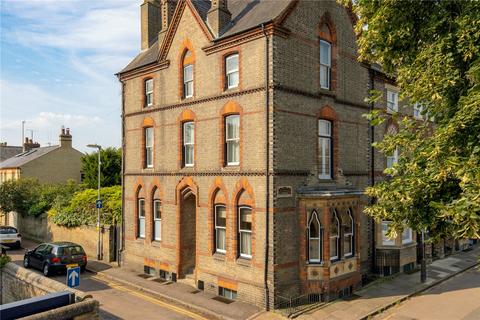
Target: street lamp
pixel 99 249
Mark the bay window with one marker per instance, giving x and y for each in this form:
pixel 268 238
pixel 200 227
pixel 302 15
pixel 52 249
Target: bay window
pixel 315 242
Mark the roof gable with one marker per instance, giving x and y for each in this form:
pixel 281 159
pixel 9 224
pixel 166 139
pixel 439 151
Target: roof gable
pixel 26 157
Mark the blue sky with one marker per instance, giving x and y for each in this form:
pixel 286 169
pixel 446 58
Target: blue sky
pixel 58 60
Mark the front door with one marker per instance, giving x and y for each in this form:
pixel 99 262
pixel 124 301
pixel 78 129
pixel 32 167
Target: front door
pixel 187 234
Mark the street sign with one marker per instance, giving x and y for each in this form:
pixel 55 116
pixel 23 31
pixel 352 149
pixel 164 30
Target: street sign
pixel 73 277
pixel 98 204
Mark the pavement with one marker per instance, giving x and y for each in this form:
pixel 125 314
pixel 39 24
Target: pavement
pixel 385 293
pixel 457 298
pixel 185 296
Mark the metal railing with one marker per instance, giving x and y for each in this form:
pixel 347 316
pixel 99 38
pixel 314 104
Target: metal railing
pixel 291 305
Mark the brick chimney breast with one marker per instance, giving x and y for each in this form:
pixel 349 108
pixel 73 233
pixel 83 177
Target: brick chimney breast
pixel 167 10
pixel 151 22
pixel 218 17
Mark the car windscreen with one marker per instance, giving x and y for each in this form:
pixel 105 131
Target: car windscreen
pixel 8 231
pixel 70 251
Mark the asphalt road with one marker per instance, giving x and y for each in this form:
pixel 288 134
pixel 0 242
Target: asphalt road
pixel 116 300
pixel 456 299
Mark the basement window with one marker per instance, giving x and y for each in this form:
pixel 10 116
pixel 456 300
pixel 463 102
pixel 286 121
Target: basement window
pixel 227 293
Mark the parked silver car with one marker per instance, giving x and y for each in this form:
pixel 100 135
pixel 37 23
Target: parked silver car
pixel 10 237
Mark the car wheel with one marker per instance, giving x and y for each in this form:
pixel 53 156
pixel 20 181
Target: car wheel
pixel 26 262
pixel 46 270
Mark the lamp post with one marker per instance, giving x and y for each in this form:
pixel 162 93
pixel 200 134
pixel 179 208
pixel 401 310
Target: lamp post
pixel 99 249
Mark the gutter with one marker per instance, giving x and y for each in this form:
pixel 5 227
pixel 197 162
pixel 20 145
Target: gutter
pixel 267 170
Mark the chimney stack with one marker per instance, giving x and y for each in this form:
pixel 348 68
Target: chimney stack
pixel 150 22
pixel 65 138
pixel 218 16
pixel 167 10
pixel 29 145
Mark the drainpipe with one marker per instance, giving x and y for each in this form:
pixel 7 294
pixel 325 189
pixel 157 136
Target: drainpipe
pixel 267 169
pixel 372 166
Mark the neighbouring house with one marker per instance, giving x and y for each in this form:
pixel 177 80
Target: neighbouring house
pixel 246 152
pixel 50 164
pixel 8 151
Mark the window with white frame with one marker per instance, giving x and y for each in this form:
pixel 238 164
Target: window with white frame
pixel 386 241
pixel 245 231
pixel 392 101
pixel 348 234
pixel 325 64
pixel 149 92
pixel 232 71
pixel 157 220
pixel 417 111
pixel 232 139
pixel 141 218
pixel 220 228
pixel 149 147
pixel 325 149
pixel 188 81
pixel 392 159
pixel 407 235
pixel 188 143
pixel 315 241
pixel 334 236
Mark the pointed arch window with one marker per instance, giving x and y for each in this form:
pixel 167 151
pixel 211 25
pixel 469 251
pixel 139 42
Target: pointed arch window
pixel 188 75
pixel 141 218
pixel 315 241
pixel 157 220
pixel 348 234
pixel 220 228
pixel 334 236
pixel 325 64
pixel 245 231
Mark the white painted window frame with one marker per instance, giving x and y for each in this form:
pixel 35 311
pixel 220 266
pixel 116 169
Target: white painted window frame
pixel 240 231
pixel 337 237
pixel 324 171
pixel 230 72
pixel 326 66
pixel 229 140
pixel 157 218
pixel 320 238
pixel 188 144
pixel 217 227
pixel 149 92
pixel 188 88
pixel 149 148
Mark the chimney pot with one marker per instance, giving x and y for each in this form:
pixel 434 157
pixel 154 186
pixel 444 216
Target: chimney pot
pixel 218 16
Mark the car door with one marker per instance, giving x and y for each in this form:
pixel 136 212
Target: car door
pixel 36 256
pixel 46 254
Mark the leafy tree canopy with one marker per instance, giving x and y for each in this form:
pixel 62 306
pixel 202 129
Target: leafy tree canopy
pixel 110 168
pixel 433 50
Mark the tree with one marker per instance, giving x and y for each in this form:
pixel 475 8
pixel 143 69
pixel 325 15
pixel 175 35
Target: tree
pixel 433 50
pixel 110 169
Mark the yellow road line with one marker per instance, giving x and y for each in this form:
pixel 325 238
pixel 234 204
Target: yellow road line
pixel 145 297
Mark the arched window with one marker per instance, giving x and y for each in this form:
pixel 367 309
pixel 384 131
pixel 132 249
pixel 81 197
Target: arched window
pixel 232 140
pixel 315 241
pixel 348 234
pixel 156 216
pixel 334 236
pixel 245 231
pixel 148 142
pixel 325 64
pixel 140 216
pixel 325 149
pixel 188 75
pixel 188 143
pixel 220 228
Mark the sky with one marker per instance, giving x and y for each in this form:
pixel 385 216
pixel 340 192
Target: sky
pixel 57 66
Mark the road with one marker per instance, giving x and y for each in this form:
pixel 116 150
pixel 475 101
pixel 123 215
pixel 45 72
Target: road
pixel 455 299
pixel 116 300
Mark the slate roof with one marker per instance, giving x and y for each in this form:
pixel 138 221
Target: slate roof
pixel 246 14
pixel 25 157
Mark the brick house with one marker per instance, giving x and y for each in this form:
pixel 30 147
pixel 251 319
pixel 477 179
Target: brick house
pixel 51 164
pixel 246 153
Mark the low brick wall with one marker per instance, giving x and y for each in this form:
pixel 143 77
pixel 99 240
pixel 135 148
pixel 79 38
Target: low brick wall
pixel 19 283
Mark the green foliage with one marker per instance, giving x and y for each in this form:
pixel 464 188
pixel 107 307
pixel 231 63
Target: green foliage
pixel 4 259
pixel 28 196
pixel 433 49
pixel 81 210
pixel 110 168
